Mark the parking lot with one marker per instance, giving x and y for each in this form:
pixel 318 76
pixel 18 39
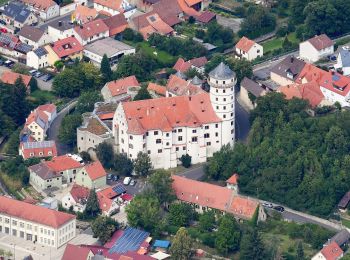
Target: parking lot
pixel 133 190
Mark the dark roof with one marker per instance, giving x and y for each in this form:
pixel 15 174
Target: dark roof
pixel 61 25
pixel 23 47
pixel 321 42
pixel 196 81
pixel 169 11
pixel 341 237
pixel 17 11
pixel 152 1
pixel 222 72
pixel 31 33
pixel 206 17
pixel 115 21
pixel 345 58
pixel 343 203
pixel 289 65
pixel 41 51
pixel 252 87
pixel 43 171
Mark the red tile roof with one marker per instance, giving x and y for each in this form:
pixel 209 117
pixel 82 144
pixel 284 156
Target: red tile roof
pixel 95 170
pixel 41 115
pixel 168 113
pixel 206 17
pixel 109 193
pixel 50 108
pixel 192 2
pixel 104 202
pixel 198 62
pixel 74 252
pixel 116 24
pixel 245 44
pixel 309 91
pixel 111 4
pixel 79 193
pixel 233 179
pixel 40 4
pixel 63 163
pixel 321 42
pixel 181 87
pixel 159 25
pixel 84 14
pixel 182 65
pixel 332 251
pixel 121 86
pixel 45 150
pixel 169 11
pixel 91 29
pixel 158 89
pixel 187 9
pixel 10 77
pixel 243 207
pixel 33 213
pixel 66 47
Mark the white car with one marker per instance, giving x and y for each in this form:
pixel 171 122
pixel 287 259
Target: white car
pixel 267 205
pixel 127 180
pixel 346 48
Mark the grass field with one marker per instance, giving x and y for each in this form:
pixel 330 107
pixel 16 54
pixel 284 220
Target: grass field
pixel 43 95
pixel 162 56
pixel 276 43
pixel 345 222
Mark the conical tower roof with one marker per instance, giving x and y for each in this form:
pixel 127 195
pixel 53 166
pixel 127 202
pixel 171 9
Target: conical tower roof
pixel 222 72
pixel 196 81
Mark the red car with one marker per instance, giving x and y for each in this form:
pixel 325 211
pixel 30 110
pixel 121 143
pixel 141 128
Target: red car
pixel 3 30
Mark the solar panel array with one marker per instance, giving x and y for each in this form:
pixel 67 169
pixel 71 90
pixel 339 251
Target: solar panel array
pixel 40 51
pixel 33 145
pixel 119 189
pixel 5 39
pixel 22 47
pixel 131 240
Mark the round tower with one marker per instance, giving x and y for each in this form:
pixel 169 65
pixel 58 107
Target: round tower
pixel 222 81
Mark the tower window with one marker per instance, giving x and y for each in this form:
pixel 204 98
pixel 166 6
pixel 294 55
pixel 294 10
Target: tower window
pixel 223 82
pixel 224 116
pixel 224 91
pixel 224 99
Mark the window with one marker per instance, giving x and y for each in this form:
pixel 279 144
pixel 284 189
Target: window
pixel 224 91
pixel 216 125
pixel 122 140
pixel 231 122
pixel 7 220
pixel 7 230
pixel 158 141
pixel 14 232
pixel 217 90
pixel 131 137
pixel 155 132
pixel 224 116
pixel 208 143
pixel 217 107
pixel 167 135
pixel 14 222
pixel 167 143
pixel 206 127
pixel 206 135
pixel 194 139
pixel 130 155
pixel 21 234
pixel 159 150
pixel 131 146
pixel 216 134
pixel 194 131
pixel 149 151
pixel 224 107
pixel 224 99
pixel 21 224
pixel 180 130
pixel 177 149
pixel 179 138
pixel 216 99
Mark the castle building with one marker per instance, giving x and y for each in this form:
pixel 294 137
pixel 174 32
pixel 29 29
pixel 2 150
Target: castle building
pixel 167 128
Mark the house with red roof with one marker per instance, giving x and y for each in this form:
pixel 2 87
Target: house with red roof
pixel 116 24
pixel 196 63
pixel 248 49
pixel 42 226
pixel 316 48
pixel 156 90
pixel 66 49
pixel 39 121
pixel 10 77
pixel 121 89
pixel 108 204
pixel 114 7
pixel 232 182
pixel 75 252
pixel 177 86
pixel 39 149
pixel 67 166
pixel 47 9
pixel 76 198
pixel 91 31
pixel 92 176
pixel 83 14
pixel 331 251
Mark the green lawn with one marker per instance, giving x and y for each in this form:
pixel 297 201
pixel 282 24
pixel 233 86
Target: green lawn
pixel 276 43
pixel 345 222
pixel 162 56
pixel 43 95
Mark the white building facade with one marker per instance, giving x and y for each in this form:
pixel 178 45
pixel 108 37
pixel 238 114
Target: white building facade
pixel 316 48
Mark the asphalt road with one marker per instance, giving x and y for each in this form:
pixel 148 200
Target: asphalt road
pixel 52 133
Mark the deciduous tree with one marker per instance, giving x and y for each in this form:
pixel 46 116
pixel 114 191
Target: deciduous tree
pixel 181 246
pixel 103 228
pixel 92 208
pixel 142 164
pixel 105 154
pixel 228 235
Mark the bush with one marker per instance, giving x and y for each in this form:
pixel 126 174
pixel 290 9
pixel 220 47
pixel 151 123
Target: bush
pixel 186 160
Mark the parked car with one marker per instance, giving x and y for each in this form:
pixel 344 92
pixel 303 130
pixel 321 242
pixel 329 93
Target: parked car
pixel 109 176
pixel 32 72
pixel 2 22
pixel 1 62
pixel 278 208
pixel 127 181
pixel 3 30
pixel 346 47
pixel 267 205
pixel 132 182
pixel 332 58
pixel 46 77
pixel 38 74
pixel 9 63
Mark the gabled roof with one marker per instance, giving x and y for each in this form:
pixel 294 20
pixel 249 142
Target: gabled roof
pixel 41 51
pixel 321 42
pixel 111 4
pixel 289 65
pixel 95 170
pixel 332 251
pixel 198 62
pixel 243 207
pixel 33 149
pixel 168 113
pixel 84 14
pixel 10 77
pixel 222 72
pixel 17 11
pixel 40 115
pixel 32 33
pixel 344 58
pixel 169 11
pixel 206 17
pixel 74 252
pixel 41 5
pixel 44 172
pixel 116 24
pixel 33 213
pixel 66 47
pixel 181 87
pixel 63 163
pixel 79 193
pixel 121 86
pixel 245 44
pixel 181 65
pixel 91 29
pixel 341 237
pixel 252 87
pixel 233 179
pixel 158 89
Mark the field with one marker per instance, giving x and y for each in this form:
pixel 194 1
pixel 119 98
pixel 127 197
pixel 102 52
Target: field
pixel 43 95
pixel 276 43
pixel 161 56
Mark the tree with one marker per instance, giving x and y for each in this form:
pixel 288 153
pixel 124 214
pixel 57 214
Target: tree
pixel 286 45
pixel 106 69
pixel 228 235
pixel 58 65
pixel 207 221
pixel 161 186
pixel 68 129
pixel 86 101
pixel 186 160
pixel 251 246
pixel 142 94
pixel 105 153
pixel 144 211
pixel 180 214
pixel 123 165
pixel 300 251
pixel 142 164
pixel 68 83
pixel 103 228
pixel 181 246
pixel 85 156
pixel 92 208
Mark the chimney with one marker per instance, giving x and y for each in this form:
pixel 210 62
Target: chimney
pixel 81 26
pixel 59 23
pixel 292 59
pixel 190 98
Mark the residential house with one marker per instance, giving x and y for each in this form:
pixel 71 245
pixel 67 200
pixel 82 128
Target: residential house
pixel 179 87
pixel 232 182
pixel 75 252
pixel 112 7
pixel 341 238
pixel 248 49
pixel 60 29
pixel 329 252
pixel 344 202
pixel 83 14
pixel 343 62
pixel 40 149
pixel 45 227
pixel 197 63
pixel 10 45
pixel 156 90
pixel 76 198
pixel 121 89
pixel 38 58
pixel 250 91
pixel 39 121
pixel 316 48
pixel 92 176
pixel 45 9
pixel 10 78
pixel 287 71
pixel 91 31
pixel 205 196
pixel 107 199
pixel 116 24
pixel 113 49
pixel 43 177
pixel 17 15
pixel 33 36
pixel 66 49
